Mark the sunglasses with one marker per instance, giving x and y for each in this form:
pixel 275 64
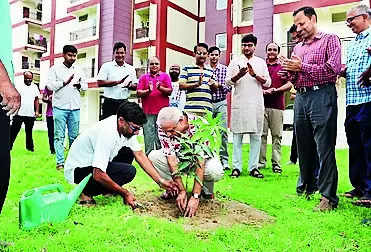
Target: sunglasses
pixel 247 45
pixel 154 64
pixel 202 53
pixel 350 19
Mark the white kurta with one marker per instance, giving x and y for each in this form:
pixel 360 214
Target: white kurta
pixel 247 110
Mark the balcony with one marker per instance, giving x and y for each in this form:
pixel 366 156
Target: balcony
pixel 37 42
pixel 83 33
pixel 141 32
pixel 32 14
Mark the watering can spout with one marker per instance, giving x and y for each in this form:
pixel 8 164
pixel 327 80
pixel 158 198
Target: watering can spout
pixel 75 193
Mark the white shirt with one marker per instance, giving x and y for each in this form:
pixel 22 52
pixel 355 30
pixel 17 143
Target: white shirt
pixel 111 71
pixel 97 146
pixel 28 95
pixel 177 97
pixel 66 97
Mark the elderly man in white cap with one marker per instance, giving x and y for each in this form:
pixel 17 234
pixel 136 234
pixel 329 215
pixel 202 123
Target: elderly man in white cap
pixel 172 124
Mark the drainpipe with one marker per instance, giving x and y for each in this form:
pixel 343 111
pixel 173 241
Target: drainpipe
pixel 198 20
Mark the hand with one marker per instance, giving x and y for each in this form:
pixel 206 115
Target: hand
pixel 251 70
pixel 292 97
pixel 37 114
pixel 365 78
pixel 284 75
pixel 294 64
pixel 11 98
pixel 192 207
pixel 129 199
pixel 242 72
pixel 78 85
pixel 169 185
pixel 200 79
pixel 269 91
pixel 69 80
pixel 158 84
pixel 181 201
pixel 123 79
pixel 343 71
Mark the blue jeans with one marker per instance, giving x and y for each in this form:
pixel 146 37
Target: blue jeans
pixel 63 117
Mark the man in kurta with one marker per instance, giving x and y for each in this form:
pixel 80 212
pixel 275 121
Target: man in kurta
pixel 248 74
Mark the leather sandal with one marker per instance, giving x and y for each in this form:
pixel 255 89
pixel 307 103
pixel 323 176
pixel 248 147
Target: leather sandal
pixel 235 173
pixel 363 202
pixel 276 169
pixel 256 173
pixel 355 193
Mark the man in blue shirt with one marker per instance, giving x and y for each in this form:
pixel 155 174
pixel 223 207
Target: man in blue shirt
pixel 358 110
pixel 9 98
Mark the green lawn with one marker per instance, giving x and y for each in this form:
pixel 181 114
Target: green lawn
pixel 112 226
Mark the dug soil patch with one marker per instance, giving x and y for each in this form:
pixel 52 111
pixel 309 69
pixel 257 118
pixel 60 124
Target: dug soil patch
pixel 211 214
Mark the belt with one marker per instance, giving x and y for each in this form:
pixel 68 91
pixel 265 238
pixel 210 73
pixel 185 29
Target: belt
pixel 302 90
pixel 114 100
pixel 218 100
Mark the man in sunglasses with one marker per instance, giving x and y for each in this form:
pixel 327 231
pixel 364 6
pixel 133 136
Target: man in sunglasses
pixel 154 89
pixel 197 80
pixel 358 106
pixel 172 126
pixel 93 152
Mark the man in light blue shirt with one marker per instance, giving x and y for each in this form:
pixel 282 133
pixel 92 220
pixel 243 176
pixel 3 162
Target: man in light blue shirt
pixel 9 98
pixel 358 110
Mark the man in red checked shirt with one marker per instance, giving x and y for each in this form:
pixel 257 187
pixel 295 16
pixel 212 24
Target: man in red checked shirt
pixel 313 69
pixel 154 89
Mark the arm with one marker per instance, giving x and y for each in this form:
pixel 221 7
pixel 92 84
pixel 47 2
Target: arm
pixel 181 200
pixel 235 73
pixel 192 205
pixel 9 95
pixel 183 81
pixel 83 82
pixel 143 89
pixel 36 106
pixel 103 76
pixel 165 86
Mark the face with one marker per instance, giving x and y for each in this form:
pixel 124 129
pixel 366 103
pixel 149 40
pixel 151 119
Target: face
pixel 120 55
pixel 201 55
pixel 174 71
pixel 27 78
pixel 295 37
pixel 154 65
pixel 248 48
pixel 172 129
pixel 214 56
pixel 127 129
pixel 69 58
pixel 272 51
pixel 357 22
pixel 305 26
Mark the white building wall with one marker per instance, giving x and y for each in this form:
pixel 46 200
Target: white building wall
pixel 175 57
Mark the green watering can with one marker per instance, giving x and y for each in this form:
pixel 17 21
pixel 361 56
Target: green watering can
pixel 47 204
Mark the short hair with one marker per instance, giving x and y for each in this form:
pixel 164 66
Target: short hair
pixel 308 11
pixel 169 114
pixel 131 112
pixel 204 45
pixel 249 38
pixel 292 28
pixel 360 9
pixel 118 45
pixel 214 48
pixel 279 48
pixel 69 48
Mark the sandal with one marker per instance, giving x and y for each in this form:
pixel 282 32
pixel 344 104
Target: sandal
pixel 90 202
pixel 363 202
pixel 256 173
pixel 355 193
pixel 235 173
pixel 276 169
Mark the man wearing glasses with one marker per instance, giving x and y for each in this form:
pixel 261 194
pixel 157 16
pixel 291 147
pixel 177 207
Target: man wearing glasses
pixel 154 89
pixel 197 80
pixel 94 152
pixel 248 74
pixel 358 109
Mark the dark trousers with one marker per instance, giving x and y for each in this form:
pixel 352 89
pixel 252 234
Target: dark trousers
pixel 16 127
pixel 110 107
pixel 294 151
pixel 316 128
pixel 4 155
pixel 358 131
pixel 120 173
pixel 50 125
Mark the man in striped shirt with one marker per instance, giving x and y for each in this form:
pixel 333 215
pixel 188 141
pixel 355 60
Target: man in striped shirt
pixel 197 80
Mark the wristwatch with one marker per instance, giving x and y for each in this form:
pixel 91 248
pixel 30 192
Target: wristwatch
pixel 195 195
pixel 253 75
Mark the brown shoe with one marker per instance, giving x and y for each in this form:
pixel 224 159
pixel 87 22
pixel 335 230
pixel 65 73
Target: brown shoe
pixel 59 167
pixel 324 206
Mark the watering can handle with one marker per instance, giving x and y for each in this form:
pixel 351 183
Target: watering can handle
pixel 53 187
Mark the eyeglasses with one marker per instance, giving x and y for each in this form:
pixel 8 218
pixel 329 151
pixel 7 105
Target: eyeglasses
pixel 272 49
pixel 201 53
pixel 350 19
pixel 247 45
pixel 133 127
pixel 154 64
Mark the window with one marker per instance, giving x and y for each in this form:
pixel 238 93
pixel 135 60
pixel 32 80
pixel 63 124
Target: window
pixel 81 56
pixel 83 18
pixel 221 41
pixel 338 17
pixel 221 4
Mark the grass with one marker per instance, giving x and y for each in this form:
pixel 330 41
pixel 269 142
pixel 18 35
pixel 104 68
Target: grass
pixel 114 227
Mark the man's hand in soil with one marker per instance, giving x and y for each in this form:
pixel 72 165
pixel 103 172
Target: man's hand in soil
pixel 129 199
pixel 181 201
pixel 69 80
pixel 192 207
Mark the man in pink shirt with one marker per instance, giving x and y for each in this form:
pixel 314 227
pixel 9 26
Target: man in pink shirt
pixel 154 89
pixel 313 69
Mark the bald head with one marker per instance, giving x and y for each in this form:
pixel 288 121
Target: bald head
pixel 27 78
